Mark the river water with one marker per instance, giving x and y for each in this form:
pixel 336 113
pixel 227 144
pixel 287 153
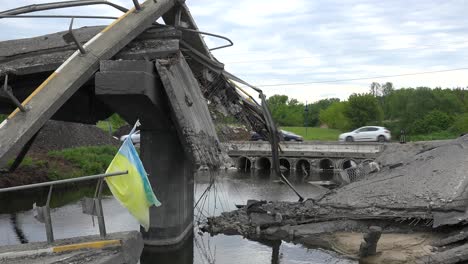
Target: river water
pixel 230 188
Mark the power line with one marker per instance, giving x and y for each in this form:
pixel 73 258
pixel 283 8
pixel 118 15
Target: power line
pixel 364 78
pixel 425 47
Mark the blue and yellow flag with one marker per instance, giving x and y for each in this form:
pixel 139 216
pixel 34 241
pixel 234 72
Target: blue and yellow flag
pixel 132 190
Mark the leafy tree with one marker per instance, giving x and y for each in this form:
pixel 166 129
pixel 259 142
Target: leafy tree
pixel 277 105
pixel 447 101
pixel 295 113
pixel 375 89
pixel 285 111
pixel 334 116
pixel 387 88
pixel 433 121
pixel 460 125
pixel 363 109
pixel 420 102
pixel 312 115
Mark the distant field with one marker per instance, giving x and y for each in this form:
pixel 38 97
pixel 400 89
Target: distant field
pixel 315 133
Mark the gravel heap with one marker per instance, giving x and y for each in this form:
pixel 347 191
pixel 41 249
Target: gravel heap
pixel 228 133
pixel 57 135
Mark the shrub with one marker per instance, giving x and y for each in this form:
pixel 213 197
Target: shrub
pixel 363 109
pixel 334 116
pixel 433 121
pixel 460 124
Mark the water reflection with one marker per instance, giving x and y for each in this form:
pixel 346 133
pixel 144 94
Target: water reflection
pixel 223 249
pixel 17 229
pixel 179 254
pixel 230 188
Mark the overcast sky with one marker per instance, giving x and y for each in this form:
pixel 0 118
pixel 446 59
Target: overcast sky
pixel 303 41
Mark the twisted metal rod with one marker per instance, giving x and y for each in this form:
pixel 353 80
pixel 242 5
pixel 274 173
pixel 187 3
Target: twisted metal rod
pixel 58 5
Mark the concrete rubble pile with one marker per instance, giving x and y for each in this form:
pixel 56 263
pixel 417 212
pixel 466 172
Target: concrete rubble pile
pixel 423 192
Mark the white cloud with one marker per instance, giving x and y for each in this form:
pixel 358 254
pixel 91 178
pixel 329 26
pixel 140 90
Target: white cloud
pixel 305 41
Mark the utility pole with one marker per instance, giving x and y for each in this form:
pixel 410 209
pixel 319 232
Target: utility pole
pixel 306 111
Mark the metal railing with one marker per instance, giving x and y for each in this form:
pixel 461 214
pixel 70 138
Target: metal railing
pixel 91 206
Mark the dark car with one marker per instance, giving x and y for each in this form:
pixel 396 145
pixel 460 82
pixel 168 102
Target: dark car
pixel 286 136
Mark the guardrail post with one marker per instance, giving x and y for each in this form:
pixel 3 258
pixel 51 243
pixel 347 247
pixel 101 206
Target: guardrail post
pixel 48 219
pixel 99 211
pixel 90 206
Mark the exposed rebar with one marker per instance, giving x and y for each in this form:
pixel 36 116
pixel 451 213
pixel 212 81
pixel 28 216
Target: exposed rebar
pixel 73 37
pixel 57 16
pixel 11 96
pixel 58 5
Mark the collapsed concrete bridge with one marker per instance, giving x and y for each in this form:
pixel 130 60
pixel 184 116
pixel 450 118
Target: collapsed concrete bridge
pixel 161 74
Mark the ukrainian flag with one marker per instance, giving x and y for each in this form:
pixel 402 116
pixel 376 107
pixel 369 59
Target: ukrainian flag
pixel 132 190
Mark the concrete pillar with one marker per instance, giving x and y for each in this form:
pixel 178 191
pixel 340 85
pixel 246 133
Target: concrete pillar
pixel 293 164
pixel 171 175
pixel 132 89
pixel 181 253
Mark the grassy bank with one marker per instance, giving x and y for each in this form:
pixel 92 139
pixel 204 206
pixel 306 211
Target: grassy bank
pixel 432 136
pixel 68 163
pixel 56 165
pixel 315 133
pixel 87 160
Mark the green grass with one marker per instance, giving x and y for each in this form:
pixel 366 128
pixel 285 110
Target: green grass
pixel 315 133
pixel 88 160
pixel 433 136
pixel 105 126
pixel 71 163
pixel 29 162
pixel 113 123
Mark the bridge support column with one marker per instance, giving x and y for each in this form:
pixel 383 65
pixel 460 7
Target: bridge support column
pixel 171 176
pixel 133 90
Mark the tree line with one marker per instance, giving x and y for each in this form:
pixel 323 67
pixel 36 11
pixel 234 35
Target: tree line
pixel 418 111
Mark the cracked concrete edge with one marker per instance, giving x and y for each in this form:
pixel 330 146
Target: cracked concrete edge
pixel 130 243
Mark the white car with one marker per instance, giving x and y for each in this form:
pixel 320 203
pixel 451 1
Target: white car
pixel 135 137
pixel 367 133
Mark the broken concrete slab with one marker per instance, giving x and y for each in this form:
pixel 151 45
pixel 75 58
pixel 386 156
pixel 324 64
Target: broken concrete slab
pixel 262 220
pixel 46 53
pixel 190 112
pixel 454 255
pixel 435 178
pixel 76 250
pixel 426 193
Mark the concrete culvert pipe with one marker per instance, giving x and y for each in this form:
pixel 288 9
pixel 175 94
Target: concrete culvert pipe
pixel 285 165
pixel 263 163
pixel 326 164
pixel 303 167
pixel 348 164
pixel 244 164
